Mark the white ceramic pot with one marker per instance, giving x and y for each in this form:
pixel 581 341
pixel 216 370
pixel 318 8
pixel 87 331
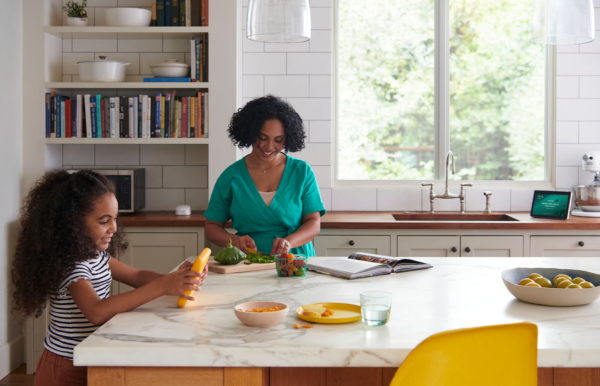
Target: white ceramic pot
pixel 77 21
pixel 102 70
pixel 127 16
pixel 170 68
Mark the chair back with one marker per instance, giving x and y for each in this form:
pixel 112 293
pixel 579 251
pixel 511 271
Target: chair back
pixel 498 355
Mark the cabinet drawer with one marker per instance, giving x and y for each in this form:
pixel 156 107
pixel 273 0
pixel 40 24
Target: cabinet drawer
pixel 326 245
pixel 555 246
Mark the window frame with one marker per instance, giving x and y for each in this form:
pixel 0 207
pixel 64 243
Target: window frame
pixel 441 114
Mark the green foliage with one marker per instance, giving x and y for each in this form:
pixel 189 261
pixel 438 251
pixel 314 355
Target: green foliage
pixel 387 97
pixel 75 9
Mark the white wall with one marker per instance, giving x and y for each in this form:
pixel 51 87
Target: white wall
pixel 11 339
pixel 302 74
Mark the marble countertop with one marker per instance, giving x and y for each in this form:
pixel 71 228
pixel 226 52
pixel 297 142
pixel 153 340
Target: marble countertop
pixel 455 293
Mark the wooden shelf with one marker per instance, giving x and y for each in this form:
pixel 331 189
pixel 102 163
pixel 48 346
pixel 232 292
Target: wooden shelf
pixel 126 141
pixel 127 85
pixel 60 30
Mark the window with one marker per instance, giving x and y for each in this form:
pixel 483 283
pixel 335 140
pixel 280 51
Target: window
pixel 416 78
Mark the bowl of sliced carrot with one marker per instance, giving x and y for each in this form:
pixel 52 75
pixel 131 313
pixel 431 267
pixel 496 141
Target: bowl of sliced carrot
pixel 261 314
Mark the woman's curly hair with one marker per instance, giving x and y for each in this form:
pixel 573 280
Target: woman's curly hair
pixel 53 235
pixel 246 123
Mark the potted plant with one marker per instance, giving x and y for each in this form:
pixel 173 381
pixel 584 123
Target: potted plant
pixel 76 13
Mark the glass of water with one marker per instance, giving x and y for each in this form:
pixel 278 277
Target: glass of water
pixel 375 307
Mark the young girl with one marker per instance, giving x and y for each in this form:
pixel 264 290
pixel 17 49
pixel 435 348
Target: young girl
pixel 63 257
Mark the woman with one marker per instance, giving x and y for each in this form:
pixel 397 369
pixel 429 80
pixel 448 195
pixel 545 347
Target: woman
pixel 271 198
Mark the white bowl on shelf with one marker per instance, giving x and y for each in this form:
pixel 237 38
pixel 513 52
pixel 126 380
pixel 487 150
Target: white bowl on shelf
pixel 127 17
pixel 170 68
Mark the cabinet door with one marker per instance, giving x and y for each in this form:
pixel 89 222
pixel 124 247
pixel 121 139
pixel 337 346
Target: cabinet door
pixel 569 246
pixel 491 246
pixel 158 252
pixel 428 246
pixel 329 245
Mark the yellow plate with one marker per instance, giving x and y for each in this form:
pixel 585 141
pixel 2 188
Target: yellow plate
pixel 342 312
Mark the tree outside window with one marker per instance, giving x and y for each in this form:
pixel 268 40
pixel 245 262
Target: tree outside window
pixel 390 55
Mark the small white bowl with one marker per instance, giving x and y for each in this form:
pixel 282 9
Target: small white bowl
pixel 170 68
pixel 244 313
pixel 551 296
pixel 127 16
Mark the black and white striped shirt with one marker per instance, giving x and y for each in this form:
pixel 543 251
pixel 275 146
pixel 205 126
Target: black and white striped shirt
pixel 68 326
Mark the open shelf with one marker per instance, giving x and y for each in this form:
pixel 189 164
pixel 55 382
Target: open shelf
pixel 126 141
pixel 126 85
pixel 60 30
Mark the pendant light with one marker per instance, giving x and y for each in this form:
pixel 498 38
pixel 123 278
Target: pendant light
pixel 564 21
pixel 278 21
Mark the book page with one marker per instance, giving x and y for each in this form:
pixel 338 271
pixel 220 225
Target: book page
pixel 398 264
pixel 347 268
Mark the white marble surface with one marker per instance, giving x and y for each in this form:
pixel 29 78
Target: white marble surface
pixel 455 293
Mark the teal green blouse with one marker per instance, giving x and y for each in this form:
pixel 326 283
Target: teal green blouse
pixel 236 198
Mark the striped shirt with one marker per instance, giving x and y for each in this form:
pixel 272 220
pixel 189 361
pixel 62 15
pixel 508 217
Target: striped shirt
pixel 68 326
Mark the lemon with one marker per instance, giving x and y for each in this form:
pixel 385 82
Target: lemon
pixel 564 284
pixel 578 280
pixel 558 280
pixel 525 281
pixel 532 284
pixel 562 275
pixel 586 284
pixel 534 275
pixel 573 285
pixel 544 282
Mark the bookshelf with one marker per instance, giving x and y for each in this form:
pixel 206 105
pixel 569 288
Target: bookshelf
pixel 46 68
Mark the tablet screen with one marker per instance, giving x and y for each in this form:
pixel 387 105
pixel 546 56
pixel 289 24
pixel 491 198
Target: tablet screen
pixel 551 204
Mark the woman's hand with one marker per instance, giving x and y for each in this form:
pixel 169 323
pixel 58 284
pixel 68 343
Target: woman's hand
pixel 280 246
pixel 244 243
pixel 184 279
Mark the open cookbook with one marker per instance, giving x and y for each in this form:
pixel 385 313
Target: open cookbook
pixel 361 264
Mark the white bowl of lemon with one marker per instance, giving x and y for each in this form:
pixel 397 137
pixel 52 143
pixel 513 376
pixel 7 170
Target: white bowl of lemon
pixel 552 286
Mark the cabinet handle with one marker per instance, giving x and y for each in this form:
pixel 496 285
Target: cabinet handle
pixel 453 249
pixel 467 249
pixel 351 242
pixel 581 243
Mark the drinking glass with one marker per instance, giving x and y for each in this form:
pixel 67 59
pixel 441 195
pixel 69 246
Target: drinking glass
pixel 375 307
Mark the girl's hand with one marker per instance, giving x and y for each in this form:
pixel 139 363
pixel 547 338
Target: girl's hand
pixel 184 279
pixel 280 246
pixel 244 243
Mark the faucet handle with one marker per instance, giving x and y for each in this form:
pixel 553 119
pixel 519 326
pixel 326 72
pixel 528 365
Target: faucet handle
pixel 426 184
pixel 466 184
pixel 487 193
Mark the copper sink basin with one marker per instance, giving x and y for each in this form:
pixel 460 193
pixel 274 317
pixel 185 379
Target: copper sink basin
pixel 425 216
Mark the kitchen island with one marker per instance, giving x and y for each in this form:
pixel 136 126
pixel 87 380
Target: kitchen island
pixel 161 344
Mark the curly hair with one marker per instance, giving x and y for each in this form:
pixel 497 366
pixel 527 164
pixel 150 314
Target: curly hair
pixel 53 235
pixel 246 123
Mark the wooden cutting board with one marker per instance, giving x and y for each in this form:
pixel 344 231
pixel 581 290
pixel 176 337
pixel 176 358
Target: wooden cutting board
pixel 213 266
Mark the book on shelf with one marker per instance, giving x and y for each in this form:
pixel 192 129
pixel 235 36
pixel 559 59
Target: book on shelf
pixel 361 264
pixel 160 115
pixel 167 79
pixel 172 13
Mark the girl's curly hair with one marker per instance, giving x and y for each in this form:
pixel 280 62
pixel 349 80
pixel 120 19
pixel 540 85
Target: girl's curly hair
pixel 53 236
pixel 246 123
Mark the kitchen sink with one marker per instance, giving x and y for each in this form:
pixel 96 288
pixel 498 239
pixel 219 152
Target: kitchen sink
pixel 425 216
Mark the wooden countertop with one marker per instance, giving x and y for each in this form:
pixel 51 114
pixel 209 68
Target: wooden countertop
pixel 375 220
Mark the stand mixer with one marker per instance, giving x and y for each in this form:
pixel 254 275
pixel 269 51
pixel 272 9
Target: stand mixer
pixel 587 197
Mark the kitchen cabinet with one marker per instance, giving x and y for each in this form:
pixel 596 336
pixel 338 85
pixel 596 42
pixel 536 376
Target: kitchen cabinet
pixel 344 245
pixel 158 250
pixel 570 246
pixel 466 246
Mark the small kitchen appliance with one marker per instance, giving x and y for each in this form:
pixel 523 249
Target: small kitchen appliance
pixel 587 197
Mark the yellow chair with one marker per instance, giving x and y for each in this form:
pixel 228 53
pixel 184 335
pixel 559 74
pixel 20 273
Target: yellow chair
pixel 499 355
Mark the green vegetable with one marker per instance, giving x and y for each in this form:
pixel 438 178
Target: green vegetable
pixel 230 255
pixel 259 258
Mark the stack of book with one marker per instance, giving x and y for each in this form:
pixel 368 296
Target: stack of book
pixel 180 13
pixel 199 58
pixel 141 116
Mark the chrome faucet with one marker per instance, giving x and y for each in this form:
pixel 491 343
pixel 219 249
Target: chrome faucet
pixel 447 194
